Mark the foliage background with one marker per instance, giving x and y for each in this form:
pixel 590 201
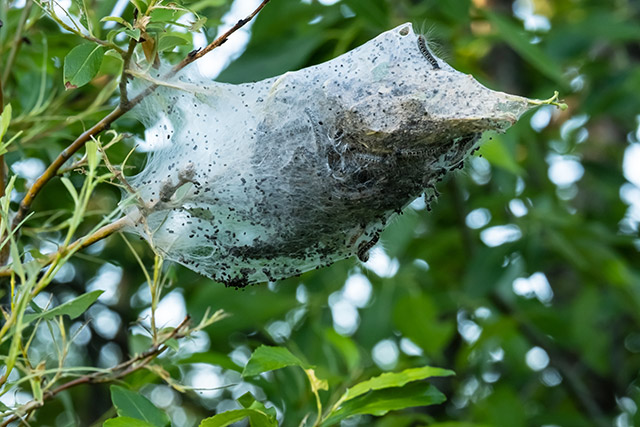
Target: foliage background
pixel 524 279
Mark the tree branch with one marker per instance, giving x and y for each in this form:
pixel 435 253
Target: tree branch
pixel 220 40
pixel 124 100
pixel 116 373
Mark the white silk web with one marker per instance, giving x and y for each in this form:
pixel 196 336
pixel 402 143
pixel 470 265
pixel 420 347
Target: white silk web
pixel 262 181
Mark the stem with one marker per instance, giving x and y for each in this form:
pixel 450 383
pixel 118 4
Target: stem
pixel 319 408
pixel 551 101
pixel 155 288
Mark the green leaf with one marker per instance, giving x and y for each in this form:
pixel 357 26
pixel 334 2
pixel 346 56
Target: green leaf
pixel 168 42
pixel 73 308
pixel 82 64
pixel 117 19
pixel 275 47
pixel 202 4
pixel 131 404
pixel 504 407
pixel 394 379
pixel 134 34
pixel 40 257
pixel 70 188
pixel 198 24
pixel 161 16
pixel 382 401
pixel 5 119
pixel 374 12
pixel 257 418
pixel 267 358
pixel 141 5
pixel 16 263
pixel 92 154
pixel 126 422
pixel 484 274
pixel 139 343
pixel 456 424
pixel 173 344
pixel 83 14
pixel 248 401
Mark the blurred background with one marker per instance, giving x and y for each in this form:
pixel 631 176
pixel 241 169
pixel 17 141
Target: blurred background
pixel 524 278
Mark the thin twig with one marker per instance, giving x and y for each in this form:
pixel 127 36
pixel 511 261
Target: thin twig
pixel 118 174
pixel 82 243
pixel 124 100
pixel 220 40
pixel 116 373
pixel 50 172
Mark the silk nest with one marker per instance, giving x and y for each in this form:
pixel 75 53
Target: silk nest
pixel 262 181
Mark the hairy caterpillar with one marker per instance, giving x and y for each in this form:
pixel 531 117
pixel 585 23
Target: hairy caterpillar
pixel 263 181
pixel 422 45
pixel 364 247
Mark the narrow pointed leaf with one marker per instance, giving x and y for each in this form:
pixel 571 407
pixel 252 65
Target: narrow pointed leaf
pixel 5 119
pixel 131 404
pixel 73 308
pixel 395 379
pixel 126 422
pixel 257 419
pixel 382 401
pixel 267 358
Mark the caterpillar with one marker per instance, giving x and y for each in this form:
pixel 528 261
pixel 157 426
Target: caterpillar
pixel 368 157
pixel 422 45
pixel 363 248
